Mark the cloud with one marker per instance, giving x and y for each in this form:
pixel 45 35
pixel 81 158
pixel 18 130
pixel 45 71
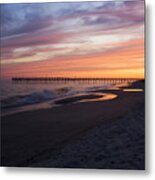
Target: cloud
pixel 58 32
pixel 34 40
pixel 33 25
pixel 23 18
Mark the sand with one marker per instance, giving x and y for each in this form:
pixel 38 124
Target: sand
pixel 115 145
pixel 105 134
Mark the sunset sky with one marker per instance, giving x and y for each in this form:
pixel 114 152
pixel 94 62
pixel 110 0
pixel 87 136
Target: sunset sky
pixel 82 39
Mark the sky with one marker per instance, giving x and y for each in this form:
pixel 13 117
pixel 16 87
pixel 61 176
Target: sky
pixel 74 39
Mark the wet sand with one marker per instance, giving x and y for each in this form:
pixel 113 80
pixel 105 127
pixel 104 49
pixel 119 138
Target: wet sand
pixel 39 138
pixel 77 98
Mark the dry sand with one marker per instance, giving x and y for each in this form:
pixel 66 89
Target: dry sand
pixel 116 144
pixel 108 134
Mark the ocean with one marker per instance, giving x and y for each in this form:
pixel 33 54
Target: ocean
pixel 29 96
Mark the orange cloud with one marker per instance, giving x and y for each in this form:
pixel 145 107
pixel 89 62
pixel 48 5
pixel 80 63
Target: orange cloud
pixel 128 61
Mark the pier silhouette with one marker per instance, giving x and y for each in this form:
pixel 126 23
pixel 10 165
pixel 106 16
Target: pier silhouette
pixel 70 79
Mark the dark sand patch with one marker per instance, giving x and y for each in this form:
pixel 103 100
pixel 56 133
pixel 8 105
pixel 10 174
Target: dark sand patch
pixel 77 98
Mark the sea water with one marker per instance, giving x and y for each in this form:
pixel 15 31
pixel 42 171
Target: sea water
pixel 34 95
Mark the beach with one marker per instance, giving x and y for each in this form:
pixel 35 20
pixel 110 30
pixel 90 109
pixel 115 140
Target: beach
pixel 98 134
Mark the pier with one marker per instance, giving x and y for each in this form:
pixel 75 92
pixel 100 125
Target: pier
pixel 72 80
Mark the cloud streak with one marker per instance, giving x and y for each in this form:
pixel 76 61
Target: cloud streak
pixel 55 33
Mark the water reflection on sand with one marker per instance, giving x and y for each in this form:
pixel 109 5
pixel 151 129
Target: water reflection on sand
pixel 105 96
pixel 133 90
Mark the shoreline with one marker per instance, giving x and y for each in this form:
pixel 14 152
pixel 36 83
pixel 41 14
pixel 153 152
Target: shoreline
pixel 93 95
pixel 34 136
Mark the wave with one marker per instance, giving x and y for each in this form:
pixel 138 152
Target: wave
pixel 45 95
pixel 33 98
pixel 96 88
pixel 63 90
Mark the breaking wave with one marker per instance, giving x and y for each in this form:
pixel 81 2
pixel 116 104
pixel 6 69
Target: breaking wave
pixel 33 98
pixel 44 96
